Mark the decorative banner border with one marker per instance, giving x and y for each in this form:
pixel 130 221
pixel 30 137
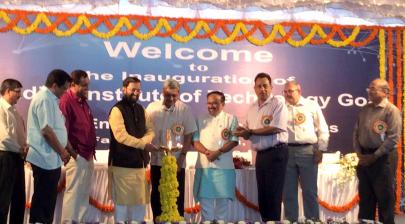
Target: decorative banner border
pixel 182 29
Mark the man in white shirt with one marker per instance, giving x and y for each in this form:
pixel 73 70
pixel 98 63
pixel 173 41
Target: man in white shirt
pixel 173 115
pixel 308 136
pixel 266 128
pixel 12 152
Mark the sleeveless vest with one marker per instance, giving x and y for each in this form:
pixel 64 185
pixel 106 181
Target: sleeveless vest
pixel 121 155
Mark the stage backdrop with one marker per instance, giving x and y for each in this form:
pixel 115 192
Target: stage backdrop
pixel 334 77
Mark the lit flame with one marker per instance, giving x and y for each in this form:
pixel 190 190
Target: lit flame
pixel 169 145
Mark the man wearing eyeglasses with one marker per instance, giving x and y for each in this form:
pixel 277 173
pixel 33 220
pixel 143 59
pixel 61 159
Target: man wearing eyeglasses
pixel 82 137
pixel 215 179
pixel 13 149
pixel 308 136
pixel 376 134
pixel 170 114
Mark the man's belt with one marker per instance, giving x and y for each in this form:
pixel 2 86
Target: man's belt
pixel 368 150
pixel 299 144
pixel 277 146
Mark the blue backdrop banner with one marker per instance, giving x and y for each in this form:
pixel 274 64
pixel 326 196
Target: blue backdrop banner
pixel 334 77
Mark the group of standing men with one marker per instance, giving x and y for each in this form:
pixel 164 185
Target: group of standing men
pixel 289 137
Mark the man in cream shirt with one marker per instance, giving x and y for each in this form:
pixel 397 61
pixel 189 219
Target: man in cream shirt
pixel 12 152
pixel 173 115
pixel 308 136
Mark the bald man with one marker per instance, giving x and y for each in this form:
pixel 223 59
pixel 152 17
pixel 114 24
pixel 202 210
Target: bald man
pixel 376 134
pixel 308 137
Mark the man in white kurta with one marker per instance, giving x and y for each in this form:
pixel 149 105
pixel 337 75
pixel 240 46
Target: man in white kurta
pixel 214 181
pixel 13 148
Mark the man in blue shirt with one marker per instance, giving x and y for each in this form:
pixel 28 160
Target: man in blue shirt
pixel 47 139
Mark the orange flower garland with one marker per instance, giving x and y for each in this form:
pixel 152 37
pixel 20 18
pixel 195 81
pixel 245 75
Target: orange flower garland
pixel 400 154
pixel 219 31
pixel 245 201
pixel 193 210
pixel 340 208
pixel 381 54
pixel 100 206
pixel 196 209
pixel 399 81
pixel 390 64
pixel 93 202
pixel 326 205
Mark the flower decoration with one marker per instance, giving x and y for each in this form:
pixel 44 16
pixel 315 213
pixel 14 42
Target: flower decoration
pixel 347 172
pixel 168 188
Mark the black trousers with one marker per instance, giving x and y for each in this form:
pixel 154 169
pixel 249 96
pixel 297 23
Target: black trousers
pixel 12 187
pixel 376 189
pixel 45 192
pixel 271 166
pixel 155 195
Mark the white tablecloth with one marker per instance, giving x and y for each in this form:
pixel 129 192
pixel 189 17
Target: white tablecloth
pixel 328 190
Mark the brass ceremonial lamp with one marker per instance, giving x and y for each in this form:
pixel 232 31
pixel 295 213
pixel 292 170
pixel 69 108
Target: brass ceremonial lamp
pixel 168 184
pixel 169 149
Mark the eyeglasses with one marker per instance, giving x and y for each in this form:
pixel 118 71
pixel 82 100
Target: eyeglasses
pixel 16 90
pixel 372 89
pixel 84 85
pixel 290 91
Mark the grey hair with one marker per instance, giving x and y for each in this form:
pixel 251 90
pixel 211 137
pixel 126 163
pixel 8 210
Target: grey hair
pixel 295 83
pixel 171 84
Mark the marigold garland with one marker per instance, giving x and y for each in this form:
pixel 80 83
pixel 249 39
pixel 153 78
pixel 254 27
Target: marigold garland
pixel 381 39
pixel 92 201
pixel 67 24
pixel 193 210
pixel 400 86
pixel 326 205
pixel 168 188
pixel 245 201
pixel 399 67
pixel 171 204
pixel 341 208
pixel 400 162
pixel 100 206
pixel 390 64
